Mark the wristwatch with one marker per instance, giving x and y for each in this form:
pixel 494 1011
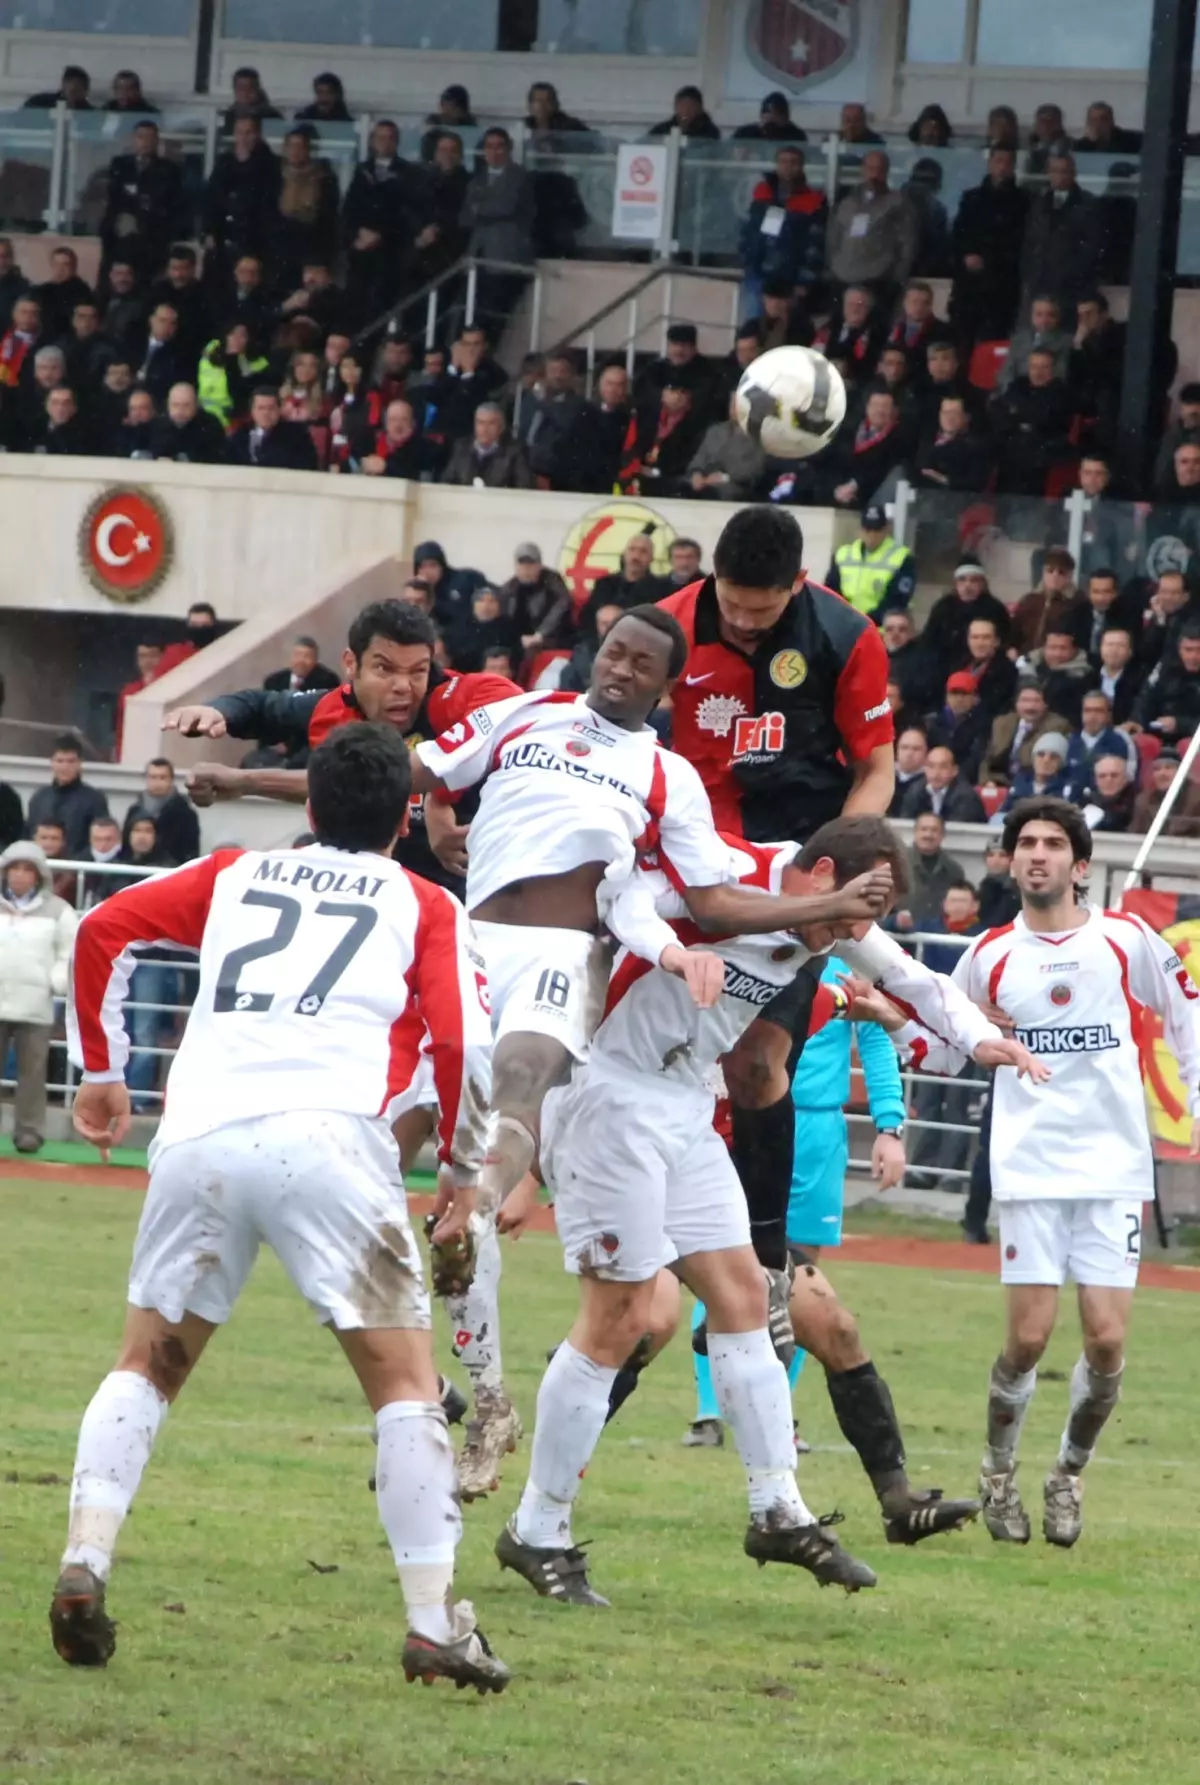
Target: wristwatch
pixel 895 1133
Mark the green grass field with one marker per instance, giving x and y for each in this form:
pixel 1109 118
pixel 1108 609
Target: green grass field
pixel 239 1663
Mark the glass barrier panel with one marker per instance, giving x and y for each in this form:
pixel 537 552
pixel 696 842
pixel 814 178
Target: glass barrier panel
pixel 716 182
pixel 1007 535
pixel 574 174
pixel 633 28
pixel 26 163
pixel 109 18
pixel 1189 219
pixel 335 143
pixel 95 139
pixel 384 24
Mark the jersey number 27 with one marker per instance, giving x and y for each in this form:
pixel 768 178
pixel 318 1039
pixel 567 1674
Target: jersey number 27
pixel 361 919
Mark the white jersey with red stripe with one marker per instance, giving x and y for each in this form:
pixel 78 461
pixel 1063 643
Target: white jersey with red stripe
pixel 1077 1000
pixel 323 974
pixel 650 1023
pixel 562 785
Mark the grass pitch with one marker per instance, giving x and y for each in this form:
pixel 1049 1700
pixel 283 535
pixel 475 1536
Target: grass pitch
pixel 239 1662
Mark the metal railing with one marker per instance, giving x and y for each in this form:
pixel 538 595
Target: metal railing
pixel 455 291
pixel 637 324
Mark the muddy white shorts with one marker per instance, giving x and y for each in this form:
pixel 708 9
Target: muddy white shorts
pixel 639 1175
pixel 1096 1241
pixel 544 982
pixel 321 1189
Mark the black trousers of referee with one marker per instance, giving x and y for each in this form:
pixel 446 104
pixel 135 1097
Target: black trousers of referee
pixel 764 1139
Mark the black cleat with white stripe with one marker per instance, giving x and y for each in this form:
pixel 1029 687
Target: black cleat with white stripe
pixel 925 1515
pixel 559 1574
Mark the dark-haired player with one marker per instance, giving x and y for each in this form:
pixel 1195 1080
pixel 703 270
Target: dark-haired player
pixel 391 677
pixel 322 970
pixel 1071 1162
pixel 572 789
pixel 782 707
pixel 642 1180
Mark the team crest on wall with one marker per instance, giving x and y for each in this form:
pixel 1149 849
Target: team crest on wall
pixel 801 42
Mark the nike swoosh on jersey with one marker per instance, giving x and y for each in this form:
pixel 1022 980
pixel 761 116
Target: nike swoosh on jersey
pixel 692 680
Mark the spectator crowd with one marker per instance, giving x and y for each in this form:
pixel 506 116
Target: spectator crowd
pixel 256 331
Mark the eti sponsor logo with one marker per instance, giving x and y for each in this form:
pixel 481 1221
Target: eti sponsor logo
pixel 755 739
pixel 1092 1038
pixel 717 712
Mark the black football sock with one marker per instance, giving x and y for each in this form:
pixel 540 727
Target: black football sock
pixel 763 1149
pixel 863 1404
pixel 626 1378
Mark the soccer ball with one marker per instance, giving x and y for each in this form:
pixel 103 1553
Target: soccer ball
pixel 792 401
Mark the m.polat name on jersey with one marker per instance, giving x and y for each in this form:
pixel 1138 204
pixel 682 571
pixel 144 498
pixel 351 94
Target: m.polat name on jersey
pixel 319 880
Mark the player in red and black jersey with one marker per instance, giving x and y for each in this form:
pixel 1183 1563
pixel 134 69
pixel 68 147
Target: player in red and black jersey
pixel 391 678
pixel 782 707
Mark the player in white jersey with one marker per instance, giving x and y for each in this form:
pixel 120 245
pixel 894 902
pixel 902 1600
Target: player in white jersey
pixel 573 787
pixel 1071 1163
pixel 322 972
pixel 641 1180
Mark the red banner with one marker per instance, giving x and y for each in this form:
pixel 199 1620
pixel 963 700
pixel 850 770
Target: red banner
pixel 1176 916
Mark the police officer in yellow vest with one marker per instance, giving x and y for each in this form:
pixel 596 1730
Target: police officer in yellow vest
pixel 874 573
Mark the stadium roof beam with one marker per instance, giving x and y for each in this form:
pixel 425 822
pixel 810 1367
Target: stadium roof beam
pixel 1156 238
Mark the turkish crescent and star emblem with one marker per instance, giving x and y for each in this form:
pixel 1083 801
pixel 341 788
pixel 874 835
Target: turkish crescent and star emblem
pixel 126 543
pixel 801 42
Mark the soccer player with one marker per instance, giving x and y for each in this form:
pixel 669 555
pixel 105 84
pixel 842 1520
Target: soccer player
pixel 573 787
pixel 391 678
pixel 783 708
pixel 641 1179
pixel 1071 1164
pixel 322 971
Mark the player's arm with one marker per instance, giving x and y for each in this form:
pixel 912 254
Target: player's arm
pixel 696 861
pixel 930 998
pixel 461 755
pixel 171 908
pixel 636 917
pixel 885 1100
pixel 1159 979
pixel 864 722
pixel 270 715
pixel 450 988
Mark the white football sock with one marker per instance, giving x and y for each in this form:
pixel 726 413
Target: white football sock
pixel 115 1441
pixel 572 1406
pixel 1094 1394
pixel 417 1495
pixel 752 1392
pixel 1009 1394
pixel 475 1316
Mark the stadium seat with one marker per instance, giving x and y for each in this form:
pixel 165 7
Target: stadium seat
pixel 987 357
pixel 1149 745
pixel 992 798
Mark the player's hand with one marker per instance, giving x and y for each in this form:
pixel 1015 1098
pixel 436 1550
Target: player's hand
pixel 447 837
pixel 870 1005
pixel 453 1207
pixel 209 782
pixel 868 895
pixel 887 1161
pixel 1015 1054
pixel 1194 1149
pixel 196 722
pixel 102 1115
pixel 702 971
pixel 515 1212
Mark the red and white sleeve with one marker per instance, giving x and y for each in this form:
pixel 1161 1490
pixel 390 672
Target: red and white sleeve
pixel 449 980
pixel 172 908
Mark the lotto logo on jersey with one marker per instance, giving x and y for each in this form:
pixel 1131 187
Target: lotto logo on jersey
pixel 762 735
pixel 1095 1038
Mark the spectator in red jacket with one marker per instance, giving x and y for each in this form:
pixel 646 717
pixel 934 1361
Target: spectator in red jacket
pixel 149 659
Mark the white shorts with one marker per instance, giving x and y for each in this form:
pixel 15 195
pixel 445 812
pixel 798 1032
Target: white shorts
pixel 544 982
pixel 639 1175
pixel 322 1189
pixel 1096 1241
